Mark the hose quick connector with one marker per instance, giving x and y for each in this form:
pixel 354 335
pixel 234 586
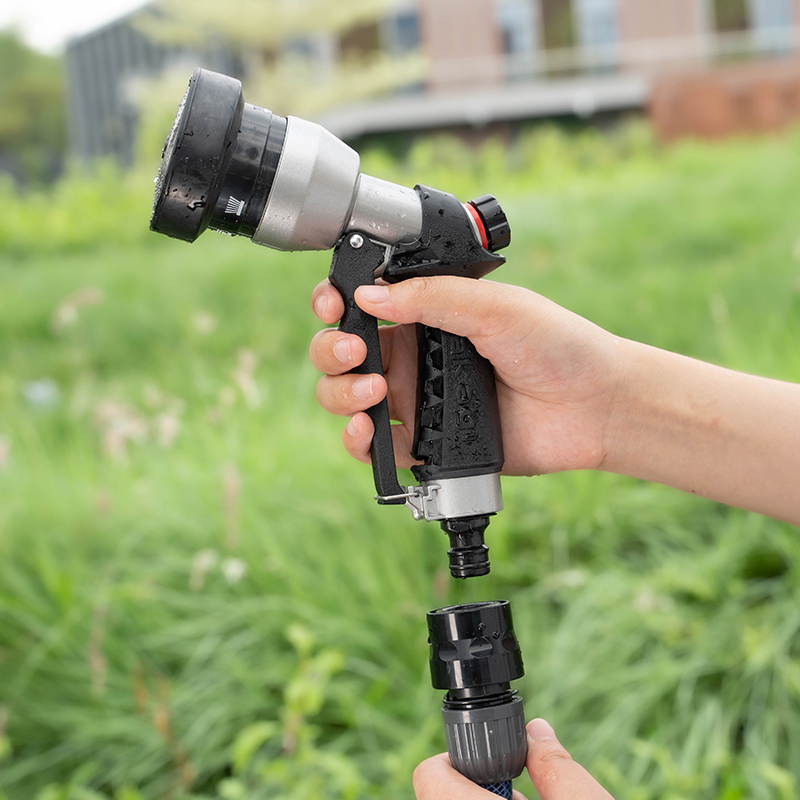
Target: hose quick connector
pixel 468 554
pixel 474 655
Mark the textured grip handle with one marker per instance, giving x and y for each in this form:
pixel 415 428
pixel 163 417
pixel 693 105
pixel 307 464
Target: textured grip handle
pixel 457 431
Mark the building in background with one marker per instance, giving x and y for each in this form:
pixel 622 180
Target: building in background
pixel 101 68
pixel 502 61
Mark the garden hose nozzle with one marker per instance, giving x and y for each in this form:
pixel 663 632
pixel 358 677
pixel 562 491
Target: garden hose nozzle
pixel 289 184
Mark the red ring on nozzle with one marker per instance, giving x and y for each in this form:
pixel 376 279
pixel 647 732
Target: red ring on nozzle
pixel 473 212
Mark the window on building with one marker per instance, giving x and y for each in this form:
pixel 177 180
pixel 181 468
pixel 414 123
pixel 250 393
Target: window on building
pixel 558 27
pixel 596 21
pixel 401 32
pixel 315 55
pixel 301 49
pixel 731 15
pixel 772 24
pixel 517 24
pixel 771 13
pixel 400 36
pixel 360 41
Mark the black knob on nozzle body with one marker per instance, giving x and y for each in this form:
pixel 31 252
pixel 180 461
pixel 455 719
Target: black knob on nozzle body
pixel 495 222
pixel 474 655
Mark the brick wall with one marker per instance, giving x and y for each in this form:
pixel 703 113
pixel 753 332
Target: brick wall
pixel 649 19
pixel 668 32
pixel 461 40
pixel 750 99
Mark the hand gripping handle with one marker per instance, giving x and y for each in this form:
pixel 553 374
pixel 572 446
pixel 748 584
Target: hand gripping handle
pixel 457 430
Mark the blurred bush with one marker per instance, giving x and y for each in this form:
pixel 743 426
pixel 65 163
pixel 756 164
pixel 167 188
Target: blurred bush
pixel 33 118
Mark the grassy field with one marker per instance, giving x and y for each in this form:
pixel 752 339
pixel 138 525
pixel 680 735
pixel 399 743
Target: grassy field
pixel 198 596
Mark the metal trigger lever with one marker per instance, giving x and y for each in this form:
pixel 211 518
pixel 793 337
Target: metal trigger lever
pixel 387 259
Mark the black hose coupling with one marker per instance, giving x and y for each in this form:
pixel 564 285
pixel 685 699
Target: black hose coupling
pixel 468 554
pixel 474 655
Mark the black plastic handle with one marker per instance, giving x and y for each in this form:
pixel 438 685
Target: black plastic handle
pixel 457 432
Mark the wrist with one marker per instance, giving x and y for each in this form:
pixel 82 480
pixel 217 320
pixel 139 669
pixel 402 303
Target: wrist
pixel 652 418
pixel 706 430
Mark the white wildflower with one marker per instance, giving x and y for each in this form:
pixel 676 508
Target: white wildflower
pixel 247 361
pixel 168 427
pixel 202 564
pixel 233 569
pixel 66 315
pixel 647 601
pixel 118 424
pixel 566 579
pixel 204 322
pixel 42 393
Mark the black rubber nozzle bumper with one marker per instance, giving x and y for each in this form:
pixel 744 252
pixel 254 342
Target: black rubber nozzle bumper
pixel 218 162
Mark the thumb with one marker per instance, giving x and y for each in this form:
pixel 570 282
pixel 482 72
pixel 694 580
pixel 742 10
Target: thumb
pixel 462 306
pixel 435 779
pixel 553 772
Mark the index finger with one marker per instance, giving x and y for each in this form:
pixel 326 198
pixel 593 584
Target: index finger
pixel 327 303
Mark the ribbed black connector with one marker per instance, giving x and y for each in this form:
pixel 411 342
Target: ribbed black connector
pixel 469 556
pixel 474 656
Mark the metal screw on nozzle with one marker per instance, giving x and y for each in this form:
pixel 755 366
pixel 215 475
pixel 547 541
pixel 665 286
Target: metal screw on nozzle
pixel 356 241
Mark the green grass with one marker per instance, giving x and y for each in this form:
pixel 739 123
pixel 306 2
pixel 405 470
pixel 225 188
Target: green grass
pixel 160 434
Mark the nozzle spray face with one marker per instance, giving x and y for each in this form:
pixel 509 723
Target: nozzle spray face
pixel 282 181
pixel 219 161
pixel 475 656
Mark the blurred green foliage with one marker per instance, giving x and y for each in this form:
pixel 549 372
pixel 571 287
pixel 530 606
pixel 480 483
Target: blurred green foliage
pixel 198 596
pixel 33 119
